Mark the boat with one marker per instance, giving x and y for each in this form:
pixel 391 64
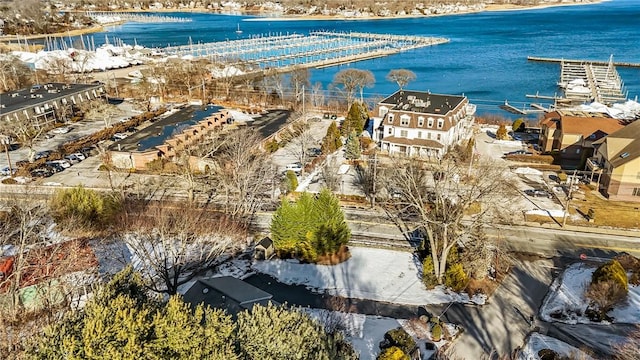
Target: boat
pixel 238 31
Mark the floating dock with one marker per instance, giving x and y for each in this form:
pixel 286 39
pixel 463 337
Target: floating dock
pixel 283 52
pixel 584 81
pixel 573 61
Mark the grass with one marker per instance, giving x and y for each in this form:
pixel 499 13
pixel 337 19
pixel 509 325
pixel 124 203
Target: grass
pixel 616 214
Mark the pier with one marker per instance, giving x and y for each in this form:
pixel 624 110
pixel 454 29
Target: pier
pixel 573 61
pixel 585 81
pixel 316 50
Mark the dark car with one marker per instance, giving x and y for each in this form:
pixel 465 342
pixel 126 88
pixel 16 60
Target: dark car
pixel 538 193
pixel 41 172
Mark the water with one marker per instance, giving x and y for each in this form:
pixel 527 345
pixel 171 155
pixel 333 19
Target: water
pixel 485 60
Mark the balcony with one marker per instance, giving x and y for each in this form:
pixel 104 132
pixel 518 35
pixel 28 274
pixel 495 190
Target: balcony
pixel 594 164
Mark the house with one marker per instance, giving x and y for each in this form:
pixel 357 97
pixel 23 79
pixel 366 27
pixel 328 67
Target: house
pixel 46 103
pixel 227 293
pixel 572 133
pixel 264 249
pixel 617 158
pixel 168 137
pixel 417 123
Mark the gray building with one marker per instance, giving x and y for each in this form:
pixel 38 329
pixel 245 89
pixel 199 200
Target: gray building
pixel 227 293
pixel 44 103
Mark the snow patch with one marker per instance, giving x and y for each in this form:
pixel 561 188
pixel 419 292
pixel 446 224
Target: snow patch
pixel 527 171
pixel 537 342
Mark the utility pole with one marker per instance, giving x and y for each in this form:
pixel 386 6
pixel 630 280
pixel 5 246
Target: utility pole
pixel 373 182
pixel 566 206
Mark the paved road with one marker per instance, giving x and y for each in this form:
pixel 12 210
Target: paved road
pixel 503 323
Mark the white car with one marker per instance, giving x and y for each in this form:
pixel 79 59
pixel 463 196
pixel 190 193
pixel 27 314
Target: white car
pixel 63 163
pixel 5 171
pixel 75 158
pixel 119 136
pixel 61 130
pixel 295 167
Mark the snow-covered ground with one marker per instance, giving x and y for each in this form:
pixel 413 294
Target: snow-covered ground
pixel 375 274
pixel 366 332
pixel 566 297
pixel 537 342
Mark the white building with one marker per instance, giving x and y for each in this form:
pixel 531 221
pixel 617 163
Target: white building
pixel 417 123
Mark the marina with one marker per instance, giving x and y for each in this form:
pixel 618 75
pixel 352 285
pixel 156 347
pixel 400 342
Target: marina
pixel 317 50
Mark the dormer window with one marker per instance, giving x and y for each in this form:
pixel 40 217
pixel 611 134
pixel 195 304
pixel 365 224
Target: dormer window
pixel 440 123
pixel 404 120
pixel 430 123
pixel 420 121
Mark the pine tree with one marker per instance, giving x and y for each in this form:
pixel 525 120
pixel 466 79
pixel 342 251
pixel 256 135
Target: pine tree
pixel 501 134
pixel 331 141
pixel 355 119
pixel 352 148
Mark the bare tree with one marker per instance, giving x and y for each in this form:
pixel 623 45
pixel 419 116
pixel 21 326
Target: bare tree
pixel 299 79
pixel 330 173
pixel 348 81
pixel 173 243
pixel 14 74
pixel 317 95
pixel 26 131
pixel 243 173
pixel 439 197
pixel 629 350
pixel 300 144
pixel 402 77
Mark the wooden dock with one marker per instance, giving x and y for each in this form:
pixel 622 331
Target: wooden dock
pixel 573 61
pixel 318 49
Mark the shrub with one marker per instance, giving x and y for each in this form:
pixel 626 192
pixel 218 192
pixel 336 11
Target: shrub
pixel 292 181
pixel 605 295
pixel 455 277
pixel 436 333
pixel 518 125
pixel 401 339
pixel 9 181
pixel 562 176
pixel 81 207
pixel 501 134
pixel 428 273
pixel 611 271
pixel 392 353
pixel 271 146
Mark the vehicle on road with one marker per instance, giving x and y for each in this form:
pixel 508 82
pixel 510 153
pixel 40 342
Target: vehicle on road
pixel 42 154
pixel 538 193
pixel 75 158
pixel 63 163
pixel 295 167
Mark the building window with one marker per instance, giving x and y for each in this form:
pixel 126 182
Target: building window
pixel 439 137
pixel 390 117
pixel 428 135
pixel 430 123
pixel 440 123
pixel 419 134
pixel 403 133
pixel 420 121
pixel 636 191
pixel 404 120
pixel 383 111
pixel 390 131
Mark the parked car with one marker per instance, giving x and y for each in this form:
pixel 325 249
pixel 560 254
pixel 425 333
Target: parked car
pixel 538 193
pixel 61 130
pixel 295 167
pixel 519 152
pixel 41 172
pixel 314 152
pixel 49 135
pixel 62 163
pixel 119 136
pixel 74 158
pixel 42 154
pixel 5 171
pixel 55 168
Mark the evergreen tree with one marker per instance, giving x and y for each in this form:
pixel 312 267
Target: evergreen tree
pixel 331 141
pixel 355 119
pixel 310 227
pixel 273 333
pixel 501 133
pixel 352 148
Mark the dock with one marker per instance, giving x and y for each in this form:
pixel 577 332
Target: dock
pixel 584 81
pixel 573 61
pixel 316 50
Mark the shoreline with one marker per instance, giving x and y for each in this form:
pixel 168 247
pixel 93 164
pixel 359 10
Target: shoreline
pixel 102 27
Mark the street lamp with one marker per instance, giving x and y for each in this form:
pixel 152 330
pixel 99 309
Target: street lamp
pixel 6 141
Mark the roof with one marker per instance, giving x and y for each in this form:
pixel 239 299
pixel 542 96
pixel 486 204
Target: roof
pixel 226 292
pixel 416 142
pixel 630 151
pixel 582 122
pixel 423 102
pixel 160 131
pixel 25 98
pixel 266 242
